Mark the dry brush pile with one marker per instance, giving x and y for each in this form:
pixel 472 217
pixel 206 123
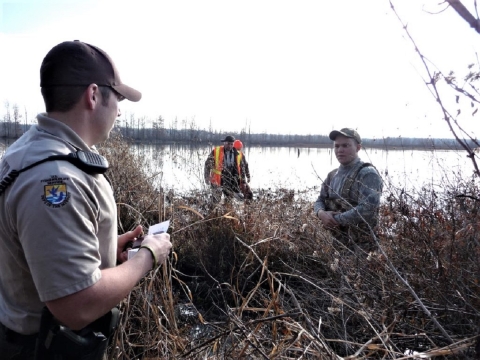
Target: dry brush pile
pixel 264 281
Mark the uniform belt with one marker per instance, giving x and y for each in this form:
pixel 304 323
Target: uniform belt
pixel 15 337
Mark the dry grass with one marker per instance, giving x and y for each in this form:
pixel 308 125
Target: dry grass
pixel 265 281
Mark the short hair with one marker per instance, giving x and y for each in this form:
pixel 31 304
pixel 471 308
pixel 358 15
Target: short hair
pixel 64 98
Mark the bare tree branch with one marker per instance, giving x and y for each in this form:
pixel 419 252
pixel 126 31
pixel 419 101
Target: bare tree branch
pixel 432 86
pixel 465 14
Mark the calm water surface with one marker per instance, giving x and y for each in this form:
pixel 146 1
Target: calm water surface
pixel 181 167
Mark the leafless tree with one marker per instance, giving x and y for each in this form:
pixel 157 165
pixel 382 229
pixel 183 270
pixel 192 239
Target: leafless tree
pixel 468 89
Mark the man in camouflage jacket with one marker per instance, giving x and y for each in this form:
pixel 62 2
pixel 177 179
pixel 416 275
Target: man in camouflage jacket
pixel 350 196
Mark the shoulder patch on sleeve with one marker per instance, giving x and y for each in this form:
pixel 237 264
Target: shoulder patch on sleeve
pixel 55 192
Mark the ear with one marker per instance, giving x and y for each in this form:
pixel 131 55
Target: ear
pixel 92 96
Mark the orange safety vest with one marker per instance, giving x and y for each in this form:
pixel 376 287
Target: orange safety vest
pixel 216 173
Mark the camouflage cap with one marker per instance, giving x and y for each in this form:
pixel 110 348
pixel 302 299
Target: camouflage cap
pixel 347 132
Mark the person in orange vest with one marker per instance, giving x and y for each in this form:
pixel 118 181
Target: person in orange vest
pixel 225 170
pixel 244 187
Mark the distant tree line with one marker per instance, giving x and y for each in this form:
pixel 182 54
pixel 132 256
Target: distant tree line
pixel 143 130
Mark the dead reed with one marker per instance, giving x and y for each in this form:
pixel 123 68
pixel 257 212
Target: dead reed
pixel 264 281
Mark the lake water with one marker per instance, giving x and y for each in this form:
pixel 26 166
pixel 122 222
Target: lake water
pixel 181 166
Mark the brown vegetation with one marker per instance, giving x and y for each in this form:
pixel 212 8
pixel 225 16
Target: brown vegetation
pixel 264 281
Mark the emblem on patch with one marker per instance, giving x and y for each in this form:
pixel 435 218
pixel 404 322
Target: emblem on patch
pixel 55 195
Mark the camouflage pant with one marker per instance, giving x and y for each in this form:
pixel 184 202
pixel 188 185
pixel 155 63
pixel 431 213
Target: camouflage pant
pixel 218 191
pixel 359 275
pixel 356 239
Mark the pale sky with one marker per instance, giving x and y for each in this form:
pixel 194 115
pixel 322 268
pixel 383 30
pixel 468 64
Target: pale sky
pixel 276 66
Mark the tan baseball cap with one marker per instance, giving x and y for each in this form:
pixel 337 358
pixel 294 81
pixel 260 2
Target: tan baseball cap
pixel 347 132
pixel 75 63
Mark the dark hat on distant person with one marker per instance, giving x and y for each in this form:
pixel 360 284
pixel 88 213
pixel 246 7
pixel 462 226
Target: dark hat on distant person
pixel 228 138
pixel 75 63
pixel 347 132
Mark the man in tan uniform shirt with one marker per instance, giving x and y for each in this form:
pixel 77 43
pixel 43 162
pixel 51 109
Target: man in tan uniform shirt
pixel 58 223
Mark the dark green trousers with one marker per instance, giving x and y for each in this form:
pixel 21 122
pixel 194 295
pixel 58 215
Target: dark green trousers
pixel 14 346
